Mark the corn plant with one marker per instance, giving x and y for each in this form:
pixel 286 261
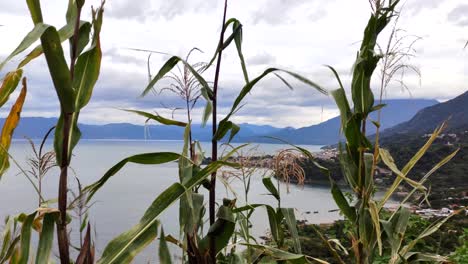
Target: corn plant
pixel 369 231
pixel 199 247
pixel 73 84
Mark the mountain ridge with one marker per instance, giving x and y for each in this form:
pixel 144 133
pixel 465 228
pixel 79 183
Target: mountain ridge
pixel 454 111
pixel 327 132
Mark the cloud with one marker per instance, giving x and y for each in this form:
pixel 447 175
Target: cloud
pixel 122 56
pixel 144 9
pixel 129 9
pixel 459 15
pixel 279 12
pixel 263 58
pixel 170 9
pixel 7 7
pixel 414 7
pixel 298 35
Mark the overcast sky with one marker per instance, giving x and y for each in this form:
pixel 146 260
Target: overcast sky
pixel 299 35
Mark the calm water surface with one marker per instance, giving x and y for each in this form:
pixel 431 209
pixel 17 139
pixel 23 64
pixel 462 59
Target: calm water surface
pixel 123 200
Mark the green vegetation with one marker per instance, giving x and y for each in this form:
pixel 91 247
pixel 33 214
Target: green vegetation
pixel 211 232
pixel 449 240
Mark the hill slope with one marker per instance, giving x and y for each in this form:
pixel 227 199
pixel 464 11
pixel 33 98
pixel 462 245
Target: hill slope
pixel 328 132
pixel 426 120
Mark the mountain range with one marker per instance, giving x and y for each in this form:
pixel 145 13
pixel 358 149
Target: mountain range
pixel 454 111
pixel 37 127
pixel 328 132
pixel 398 116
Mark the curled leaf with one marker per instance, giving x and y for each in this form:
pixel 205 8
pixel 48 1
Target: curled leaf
pixel 9 127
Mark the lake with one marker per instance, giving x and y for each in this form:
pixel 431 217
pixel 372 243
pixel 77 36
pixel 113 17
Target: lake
pixel 123 200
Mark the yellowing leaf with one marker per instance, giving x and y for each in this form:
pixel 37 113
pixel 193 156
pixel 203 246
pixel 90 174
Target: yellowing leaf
pixel 9 127
pixel 9 84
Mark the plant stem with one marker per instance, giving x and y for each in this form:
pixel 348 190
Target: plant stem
pixel 189 121
pixel 214 142
pixel 62 235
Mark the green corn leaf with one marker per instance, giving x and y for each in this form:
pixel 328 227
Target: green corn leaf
pixel 65 33
pixel 365 227
pixel 374 213
pixel 86 73
pixel 33 36
pixel 369 178
pixel 25 241
pixel 8 241
pixel 284 81
pixel 157 118
pixel 224 127
pixel 207 112
pixel 340 200
pixel 206 91
pixel 164 253
pixel 46 237
pixel 147 159
pixel 83 36
pixel 234 130
pixel 121 248
pixel 84 222
pixel 10 82
pixel 11 122
pixel 119 252
pixel 72 11
pixel 349 168
pixel 10 252
pixel 366 62
pixel 268 183
pixel 222 229
pixel 274 222
pixel 35 10
pixel 185 164
pixel 6 235
pixel 74 136
pixel 401 224
pixel 87 69
pixel 337 76
pixel 291 223
pixel 281 255
pixel 236 35
pixel 378 107
pixel 237 27
pixel 197 211
pixel 168 66
pixel 395 230
pixel 58 69
pixel 248 87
